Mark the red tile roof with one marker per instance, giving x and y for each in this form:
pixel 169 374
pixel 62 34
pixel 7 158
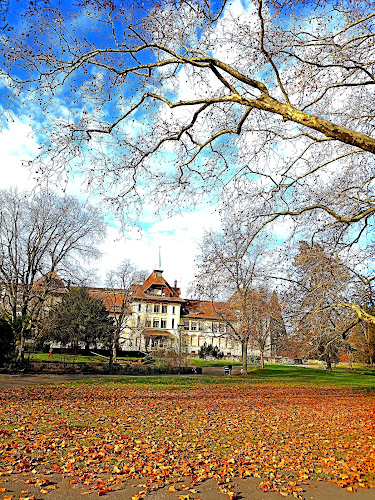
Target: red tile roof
pixel 111 298
pixel 156 281
pixel 52 281
pixel 202 309
pixel 156 332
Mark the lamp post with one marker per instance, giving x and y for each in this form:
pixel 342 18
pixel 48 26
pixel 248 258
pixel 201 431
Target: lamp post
pixel 180 329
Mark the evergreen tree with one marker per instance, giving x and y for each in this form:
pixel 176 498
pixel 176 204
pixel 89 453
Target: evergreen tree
pixel 80 318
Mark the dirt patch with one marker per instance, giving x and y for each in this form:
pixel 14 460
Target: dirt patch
pixel 58 487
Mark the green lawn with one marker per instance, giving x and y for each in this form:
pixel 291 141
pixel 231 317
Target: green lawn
pixel 279 375
pixel 296 375
pixel 361 377
pixel 70 358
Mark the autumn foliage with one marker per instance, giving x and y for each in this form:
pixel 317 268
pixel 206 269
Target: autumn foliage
pixel 104 433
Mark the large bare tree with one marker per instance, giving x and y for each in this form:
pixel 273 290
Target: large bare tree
pixel 328 302
pixel 118 298
pixel 41 235
pixel 271 102
pixel 250 312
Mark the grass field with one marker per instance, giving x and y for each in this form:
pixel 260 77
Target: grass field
pixel 70 358
pixel 281 375
pixel 295 375
pixel 284 425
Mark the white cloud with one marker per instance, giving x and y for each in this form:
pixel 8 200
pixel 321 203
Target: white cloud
pixel 178 238
pixel 17 145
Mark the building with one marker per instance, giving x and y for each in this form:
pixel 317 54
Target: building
pixel 153 315
pixel 158 318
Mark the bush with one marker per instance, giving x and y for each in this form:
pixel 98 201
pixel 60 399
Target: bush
pixel 7 343
pixel 210 351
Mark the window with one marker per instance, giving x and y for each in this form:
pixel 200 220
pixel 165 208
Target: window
pixel 193 326
pixel 163 323
pixel 186 325
pixel 201 326
pixel 155 322
pixel 156 308
pixel 173 309
pixel 221 327
pixel 172 322
pixel 148 322
pixel 139 307
pixel 214 327
pixel 148 307
pixel 164 309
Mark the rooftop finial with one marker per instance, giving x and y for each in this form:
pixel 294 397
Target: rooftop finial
pixel 158 268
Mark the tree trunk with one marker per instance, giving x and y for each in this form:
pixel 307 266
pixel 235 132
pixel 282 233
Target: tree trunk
pixel 20 349
pixel 261 360
pixel 244 357
pixel 20 344
pixel 329 365
pixel 114 347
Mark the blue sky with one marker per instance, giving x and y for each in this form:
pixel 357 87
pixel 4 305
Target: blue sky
pixel 178 236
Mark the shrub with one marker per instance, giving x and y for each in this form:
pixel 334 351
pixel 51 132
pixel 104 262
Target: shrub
pixel 7 343
pixel 210 351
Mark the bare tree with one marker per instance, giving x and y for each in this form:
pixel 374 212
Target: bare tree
pixel 224 271
pixel 176 100
pixel 41 235
pixel 324 302
pixel 362 342
pixel 118 298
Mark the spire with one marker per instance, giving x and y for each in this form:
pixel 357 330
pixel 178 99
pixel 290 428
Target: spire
pixel 158 269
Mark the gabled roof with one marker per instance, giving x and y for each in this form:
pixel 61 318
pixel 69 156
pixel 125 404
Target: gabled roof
pixel 155 283
pixel 52 281
pixel 202 309
pixel 111 298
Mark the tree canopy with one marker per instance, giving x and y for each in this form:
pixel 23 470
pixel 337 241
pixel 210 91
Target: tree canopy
pixel 266 101
pixel 120 283
pixel 252 313
pixel 40 235
pixel 80 318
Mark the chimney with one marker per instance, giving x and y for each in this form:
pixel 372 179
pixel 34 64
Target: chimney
pixel 175 283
